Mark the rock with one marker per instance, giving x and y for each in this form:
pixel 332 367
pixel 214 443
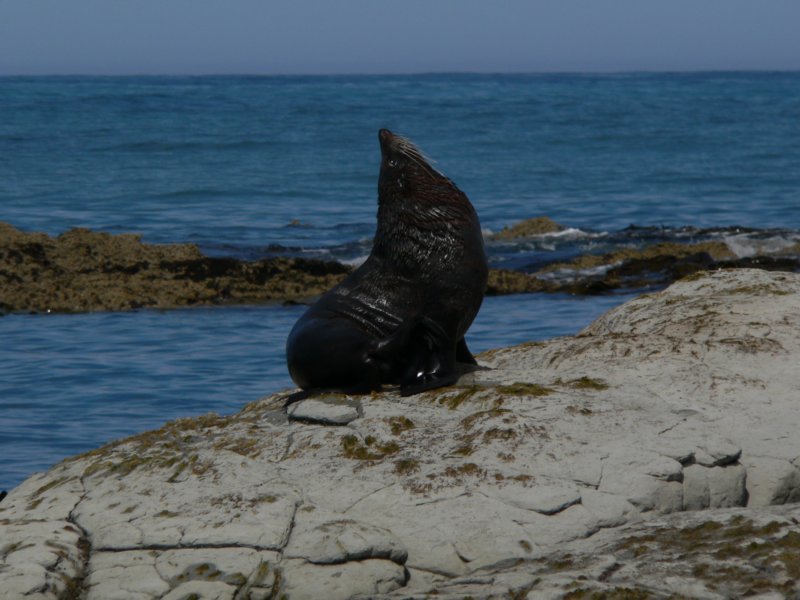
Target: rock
pixel 343 540
pixel 609 510
pixel 304 581
pixel 646 480
pixel 202 590
pixel 629 261
pixel 715 487
pixel 115 576
pixel 82 270
pixel 528 228
pixel 771 481
pixel 40 555
pixel 206 572
pixel 326 411
pixel 504 281
pixel 647 456
pixel 717 454
pixel 544 499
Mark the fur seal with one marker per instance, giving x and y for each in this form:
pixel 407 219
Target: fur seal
pixel 400 318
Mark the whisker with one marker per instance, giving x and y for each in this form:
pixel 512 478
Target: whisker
pixel 410 150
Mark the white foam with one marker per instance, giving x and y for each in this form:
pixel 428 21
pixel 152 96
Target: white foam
pixel 744 246
pixel 567 274
pixel 355 262
pixel 574 232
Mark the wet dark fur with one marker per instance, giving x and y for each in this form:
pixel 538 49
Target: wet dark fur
pixel 400 318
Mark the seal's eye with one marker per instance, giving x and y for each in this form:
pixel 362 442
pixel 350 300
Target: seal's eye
pixel 391 162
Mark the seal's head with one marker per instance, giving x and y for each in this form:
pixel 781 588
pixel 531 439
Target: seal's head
pixel 405 171
pixel 422 214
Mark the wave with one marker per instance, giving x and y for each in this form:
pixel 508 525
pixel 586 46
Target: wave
pixel 747 245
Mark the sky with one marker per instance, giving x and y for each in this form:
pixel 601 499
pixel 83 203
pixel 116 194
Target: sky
pixel 192 37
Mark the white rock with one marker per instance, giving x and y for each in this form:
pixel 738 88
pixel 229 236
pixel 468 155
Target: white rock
pixel 343 540
pixel 202 590
pixel 233 566
pixel 645 479
pixel 52 495
pixel 545 499
pixel 160 513
pixel 38 555
pixel 116 576
pixel 609 510
pixel 717 454
pixel 326 412
pixel 479 488
pixel 684 587
pixel 454 535
pixel 771 481
pixel 713 487
pixel 305 581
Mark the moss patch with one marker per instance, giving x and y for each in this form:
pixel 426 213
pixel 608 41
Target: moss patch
pixel 586 383
pixel 369 449
pixel 400 424
pixel 524 389
pixel 169 447
pixel 406 466
pixel 452 397
pixel 736 558
pixel 50 485
pixel 464 470
pixel 246 446
pixel 469 422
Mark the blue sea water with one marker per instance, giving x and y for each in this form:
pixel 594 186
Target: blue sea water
pixel 259 166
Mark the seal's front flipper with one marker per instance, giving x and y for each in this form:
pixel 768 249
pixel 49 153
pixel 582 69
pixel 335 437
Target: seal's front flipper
pixel 434 359
pixel 463 355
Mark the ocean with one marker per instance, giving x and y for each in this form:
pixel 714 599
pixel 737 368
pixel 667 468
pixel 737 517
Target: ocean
pixel 264 166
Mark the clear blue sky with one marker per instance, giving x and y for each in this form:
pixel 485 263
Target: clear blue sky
pixel 399 36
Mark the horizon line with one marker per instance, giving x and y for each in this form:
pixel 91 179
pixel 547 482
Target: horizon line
pixel 412 73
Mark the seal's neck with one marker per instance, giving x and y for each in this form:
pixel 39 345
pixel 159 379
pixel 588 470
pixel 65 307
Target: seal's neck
pixel 410 231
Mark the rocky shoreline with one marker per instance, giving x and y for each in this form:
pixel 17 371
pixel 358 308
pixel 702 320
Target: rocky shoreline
pixel 653 455
pixel 82 270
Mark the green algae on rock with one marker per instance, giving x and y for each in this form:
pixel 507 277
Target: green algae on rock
pixel 528 228
pixel 81 271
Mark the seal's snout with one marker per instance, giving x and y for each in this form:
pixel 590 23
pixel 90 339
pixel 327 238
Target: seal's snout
pixel 385 138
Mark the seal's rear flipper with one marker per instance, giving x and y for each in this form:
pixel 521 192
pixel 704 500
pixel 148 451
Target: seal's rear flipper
pixel 428 382
pixel 463 355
